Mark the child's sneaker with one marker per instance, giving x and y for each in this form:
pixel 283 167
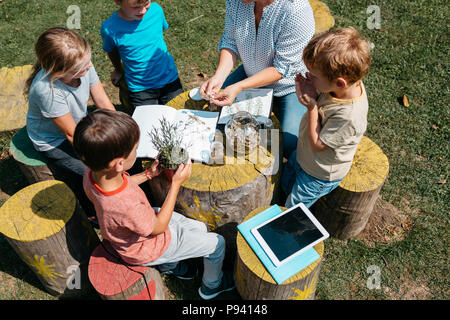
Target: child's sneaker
pixel 226 284
pixel 183 271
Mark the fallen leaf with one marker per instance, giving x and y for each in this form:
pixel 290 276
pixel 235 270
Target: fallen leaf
pixel 443 181
pixel 405 101
pixel 435 126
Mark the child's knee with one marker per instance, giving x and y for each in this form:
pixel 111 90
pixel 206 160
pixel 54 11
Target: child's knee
pixel 220 245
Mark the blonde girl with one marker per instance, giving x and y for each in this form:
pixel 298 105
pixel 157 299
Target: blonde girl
pixel 58 91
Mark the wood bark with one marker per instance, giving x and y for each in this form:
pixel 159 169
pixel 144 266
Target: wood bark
pixel 47 228
pixel 115 280
pixel 345 211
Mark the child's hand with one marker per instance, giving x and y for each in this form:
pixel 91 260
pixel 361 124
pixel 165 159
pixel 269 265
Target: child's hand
pixel 154 170
pixel 182 174
pixel 305 90
pixel 116 75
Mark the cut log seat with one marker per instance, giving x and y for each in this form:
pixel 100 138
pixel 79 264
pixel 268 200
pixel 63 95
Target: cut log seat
pixel 114 280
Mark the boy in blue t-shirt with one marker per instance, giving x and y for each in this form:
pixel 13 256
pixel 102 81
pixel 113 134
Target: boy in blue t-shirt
pixel 134 35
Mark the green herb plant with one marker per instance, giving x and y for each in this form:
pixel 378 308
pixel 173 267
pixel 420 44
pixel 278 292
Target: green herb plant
pixel 168 140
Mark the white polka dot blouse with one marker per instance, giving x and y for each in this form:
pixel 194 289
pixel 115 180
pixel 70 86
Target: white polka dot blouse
pixel 285 28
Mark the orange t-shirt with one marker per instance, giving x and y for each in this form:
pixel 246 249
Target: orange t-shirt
pixel 126 220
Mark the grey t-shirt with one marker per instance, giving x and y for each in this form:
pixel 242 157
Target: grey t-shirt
pixel 45 103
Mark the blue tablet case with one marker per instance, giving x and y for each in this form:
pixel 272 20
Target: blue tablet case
pixel 287 269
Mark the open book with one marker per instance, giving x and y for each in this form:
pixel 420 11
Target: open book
pixel 257 102
pixel 198 129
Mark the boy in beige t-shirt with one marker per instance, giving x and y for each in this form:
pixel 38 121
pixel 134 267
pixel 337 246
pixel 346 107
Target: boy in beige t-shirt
pixel 336 119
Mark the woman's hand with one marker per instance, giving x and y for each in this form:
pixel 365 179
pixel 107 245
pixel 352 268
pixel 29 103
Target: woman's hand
pixel 227 96
pixel 306 91
pixel 209 88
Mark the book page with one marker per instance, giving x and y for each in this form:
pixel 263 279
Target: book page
pixel 257 102
pixel 148 117
pixel 199 128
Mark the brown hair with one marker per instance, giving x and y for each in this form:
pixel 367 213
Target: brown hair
pixel 58 51
pixel 104 135
pixel 339 53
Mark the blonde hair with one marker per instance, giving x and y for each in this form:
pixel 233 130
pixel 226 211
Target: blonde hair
pixel 339 53
pixel 58 51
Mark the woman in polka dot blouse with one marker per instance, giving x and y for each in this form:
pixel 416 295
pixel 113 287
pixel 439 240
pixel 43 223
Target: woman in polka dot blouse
pixel 269 37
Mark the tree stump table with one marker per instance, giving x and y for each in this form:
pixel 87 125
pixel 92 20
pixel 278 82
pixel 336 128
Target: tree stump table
pixel 254 282
pixel 32 164
pixel 51 234
pixel 222 195
pixel 13 104
pixel 345 211
pixel 113 280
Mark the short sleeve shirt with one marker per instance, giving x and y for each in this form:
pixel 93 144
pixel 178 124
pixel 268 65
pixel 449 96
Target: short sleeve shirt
pixel 147 62
pixel 48 100
pixel 126 220
pixel 285 29
pixel 343 125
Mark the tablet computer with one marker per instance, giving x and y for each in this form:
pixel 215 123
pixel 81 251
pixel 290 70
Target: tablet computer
pixel 289 233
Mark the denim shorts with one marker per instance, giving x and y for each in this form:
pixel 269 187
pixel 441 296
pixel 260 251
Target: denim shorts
pixel 301 187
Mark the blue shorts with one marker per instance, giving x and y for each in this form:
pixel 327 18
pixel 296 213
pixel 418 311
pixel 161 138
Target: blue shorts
pixel 301 187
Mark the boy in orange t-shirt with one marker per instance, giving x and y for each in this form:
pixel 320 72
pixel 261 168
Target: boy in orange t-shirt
pixel 106 142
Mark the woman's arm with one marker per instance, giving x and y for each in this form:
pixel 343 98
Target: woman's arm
pixel 227 59
pixel 100 98
pixel 67 125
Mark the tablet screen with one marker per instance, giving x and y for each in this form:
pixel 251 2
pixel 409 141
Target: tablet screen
pixel 289 233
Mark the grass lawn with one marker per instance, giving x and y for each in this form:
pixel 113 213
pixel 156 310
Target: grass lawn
pixel 409 58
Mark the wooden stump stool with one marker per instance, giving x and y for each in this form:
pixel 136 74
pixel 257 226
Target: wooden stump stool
pixel 254 282
pixel 116 281
pixel 31 162
pixel 345 211
pixel 50 232
pixel 322 16
pixel 222 195
pixel 13 104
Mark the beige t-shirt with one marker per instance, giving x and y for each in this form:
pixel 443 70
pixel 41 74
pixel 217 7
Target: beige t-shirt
pixel 343 125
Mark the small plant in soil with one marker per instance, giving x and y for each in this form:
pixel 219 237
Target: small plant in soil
pixel 168 140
